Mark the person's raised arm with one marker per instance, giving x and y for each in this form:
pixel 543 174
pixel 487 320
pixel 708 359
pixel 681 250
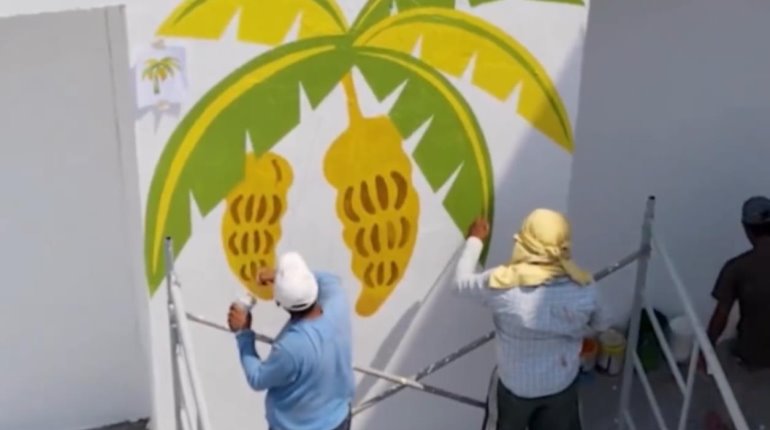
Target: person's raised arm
pixel 278 370
pixel 467 281
pixel 280 367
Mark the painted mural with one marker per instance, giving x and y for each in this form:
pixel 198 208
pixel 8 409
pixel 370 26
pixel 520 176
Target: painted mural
pixel 223 149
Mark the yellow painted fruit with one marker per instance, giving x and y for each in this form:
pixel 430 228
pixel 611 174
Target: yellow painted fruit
pixel 251 225
pixel 377 204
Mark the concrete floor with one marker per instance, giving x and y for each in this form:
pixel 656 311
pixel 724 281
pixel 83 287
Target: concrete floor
pixel 600 401
pixel 600 396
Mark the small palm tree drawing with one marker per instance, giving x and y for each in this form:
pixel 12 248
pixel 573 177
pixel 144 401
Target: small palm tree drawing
pixel 403 48
pixel 158 71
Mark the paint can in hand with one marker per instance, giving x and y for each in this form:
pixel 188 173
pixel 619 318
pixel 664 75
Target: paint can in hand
pixel 245 303
pixel 612 347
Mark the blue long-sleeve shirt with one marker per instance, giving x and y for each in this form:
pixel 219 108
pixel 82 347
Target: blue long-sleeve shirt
pixel 308 374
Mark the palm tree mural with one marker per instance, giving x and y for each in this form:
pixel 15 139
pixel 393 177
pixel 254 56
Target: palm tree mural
pixel 157 71
pixel 367 166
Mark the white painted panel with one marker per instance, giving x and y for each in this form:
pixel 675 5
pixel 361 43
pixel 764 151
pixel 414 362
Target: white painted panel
pixel 74 338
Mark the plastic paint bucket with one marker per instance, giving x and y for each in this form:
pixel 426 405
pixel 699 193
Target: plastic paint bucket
pixel 680 337
pixel 589 354
pixel 612 347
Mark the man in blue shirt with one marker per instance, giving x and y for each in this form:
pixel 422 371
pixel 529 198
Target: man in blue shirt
pixel 308 374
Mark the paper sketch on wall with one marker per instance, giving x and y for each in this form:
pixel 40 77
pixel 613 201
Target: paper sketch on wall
pixel 160 75
pixel 366 165
pixel 158 70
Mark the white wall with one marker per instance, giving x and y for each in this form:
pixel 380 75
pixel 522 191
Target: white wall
pixel 674 102
pixel 391 338
pixel 75 337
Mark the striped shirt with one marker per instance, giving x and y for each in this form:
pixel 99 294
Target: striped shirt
pixel 539 330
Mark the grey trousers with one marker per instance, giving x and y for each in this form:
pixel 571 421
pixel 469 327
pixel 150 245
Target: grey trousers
pixel 507 411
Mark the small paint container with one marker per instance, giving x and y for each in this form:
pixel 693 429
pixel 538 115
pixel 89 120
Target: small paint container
pixel 589 354
pixel 612 348
pixel 245 303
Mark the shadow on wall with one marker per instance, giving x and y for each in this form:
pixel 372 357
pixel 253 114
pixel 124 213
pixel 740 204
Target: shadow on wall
pixel 444 322
pixel 386 351
pixel 676 111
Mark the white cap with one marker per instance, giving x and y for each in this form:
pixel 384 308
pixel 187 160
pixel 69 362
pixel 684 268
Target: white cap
pixel 295 286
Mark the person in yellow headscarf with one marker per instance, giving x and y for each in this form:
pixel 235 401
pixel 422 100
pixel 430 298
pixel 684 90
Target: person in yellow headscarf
pixel 543 306
pixel 541 253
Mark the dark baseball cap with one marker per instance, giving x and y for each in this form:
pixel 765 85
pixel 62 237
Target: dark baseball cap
pixel 756 211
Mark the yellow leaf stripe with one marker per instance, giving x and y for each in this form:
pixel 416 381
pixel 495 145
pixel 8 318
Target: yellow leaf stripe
pixel 261 21
pixel 204 19
pixel 202 123
pixel 463 114
pixel 451 39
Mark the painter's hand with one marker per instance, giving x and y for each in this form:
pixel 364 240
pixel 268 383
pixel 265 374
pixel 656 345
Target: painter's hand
pixel 479 229
pixel 265 276
pixel 238 318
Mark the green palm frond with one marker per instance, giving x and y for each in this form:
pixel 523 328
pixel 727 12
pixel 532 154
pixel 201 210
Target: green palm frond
pixel 453 146
pixel 204 158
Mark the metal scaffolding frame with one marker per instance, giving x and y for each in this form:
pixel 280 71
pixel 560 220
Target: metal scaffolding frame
pixel 182 355
pixel 181 340
pixel 651 241
pixel 182 348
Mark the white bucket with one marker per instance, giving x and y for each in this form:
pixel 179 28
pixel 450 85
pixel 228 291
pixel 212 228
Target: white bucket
pixel 680 338
pixel 612 348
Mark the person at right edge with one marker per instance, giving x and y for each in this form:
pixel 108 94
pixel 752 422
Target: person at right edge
pixel 745 359
pixel 543 307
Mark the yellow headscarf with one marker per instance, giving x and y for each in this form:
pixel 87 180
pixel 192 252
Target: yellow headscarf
pixel 541 252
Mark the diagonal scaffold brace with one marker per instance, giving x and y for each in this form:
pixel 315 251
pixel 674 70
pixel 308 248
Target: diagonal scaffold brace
pixel 401 382
pixel 483 340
